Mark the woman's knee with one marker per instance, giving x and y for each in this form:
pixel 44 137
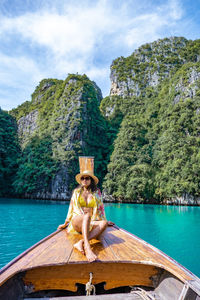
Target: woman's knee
pixel 77 227
pixel 77 223
pixel 104 224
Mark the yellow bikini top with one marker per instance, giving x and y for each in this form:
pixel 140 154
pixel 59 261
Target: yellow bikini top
pixel 82 202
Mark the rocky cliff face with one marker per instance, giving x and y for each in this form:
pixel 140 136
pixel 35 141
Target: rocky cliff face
pixel 187 87
pixel 27 125
pixel 184 133
pixel 155 95
pixel 147 66
pixel 64 117
pixel 149 129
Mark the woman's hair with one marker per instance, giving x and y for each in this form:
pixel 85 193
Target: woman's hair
pixel 92 186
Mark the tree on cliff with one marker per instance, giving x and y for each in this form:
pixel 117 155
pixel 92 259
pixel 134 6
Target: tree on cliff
pixel 61 122
pixel 9 152
pixel 156 153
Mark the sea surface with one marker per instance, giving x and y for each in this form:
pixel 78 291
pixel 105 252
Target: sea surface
pixel 173 229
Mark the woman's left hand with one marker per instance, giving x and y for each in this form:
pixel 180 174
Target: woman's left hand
pixel 110 223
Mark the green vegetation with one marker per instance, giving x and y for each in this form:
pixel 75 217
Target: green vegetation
pixel 61 122
pixel 9 152
pixel 156 154
pixel 146 141
pixel 36 167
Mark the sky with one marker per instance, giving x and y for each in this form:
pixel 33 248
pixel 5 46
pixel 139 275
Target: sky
pixel 52 38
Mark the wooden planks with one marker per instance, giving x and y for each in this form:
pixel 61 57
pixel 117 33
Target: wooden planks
pixel 55 253
pixel 129 248
pixel 113 274
pixel 146 253
pixel 118 252
pixel 100 248
pixel 46 253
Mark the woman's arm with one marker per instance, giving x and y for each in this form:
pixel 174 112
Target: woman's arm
pixel 63 226
pixel 69 214
pixel 70 210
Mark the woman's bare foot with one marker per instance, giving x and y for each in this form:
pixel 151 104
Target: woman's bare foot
pixel 79 246
pixel 90 255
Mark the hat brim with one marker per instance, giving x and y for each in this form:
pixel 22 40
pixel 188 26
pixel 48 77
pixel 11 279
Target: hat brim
pixel 78 177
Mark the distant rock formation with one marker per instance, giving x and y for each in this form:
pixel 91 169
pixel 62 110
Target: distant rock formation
pixel 144 135
pixel 155 96
pixel 64 117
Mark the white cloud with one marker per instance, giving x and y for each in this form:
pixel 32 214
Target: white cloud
pixel 175 9
pixel 81 37
pixel 76 31
pixel 18 75
pixel 14 66
pixel 148 27
pixel 144 29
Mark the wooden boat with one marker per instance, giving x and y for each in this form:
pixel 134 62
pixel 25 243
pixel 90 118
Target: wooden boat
pixel 127 268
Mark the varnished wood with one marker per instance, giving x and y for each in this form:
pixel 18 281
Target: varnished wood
pixel 148 254
pixel 113 274
pixel 31 258
pixel 120 255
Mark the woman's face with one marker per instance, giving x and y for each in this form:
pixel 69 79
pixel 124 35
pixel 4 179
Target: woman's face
pixel 85 181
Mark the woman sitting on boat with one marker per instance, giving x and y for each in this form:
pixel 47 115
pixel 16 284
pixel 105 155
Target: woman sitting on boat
pixel 86 210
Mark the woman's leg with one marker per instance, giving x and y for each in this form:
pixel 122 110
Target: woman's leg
pixel 82 224
pixel 85 232
pixel 77 224
pixel 98 228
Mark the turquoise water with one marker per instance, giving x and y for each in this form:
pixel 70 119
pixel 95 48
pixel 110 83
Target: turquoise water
pixel 172 229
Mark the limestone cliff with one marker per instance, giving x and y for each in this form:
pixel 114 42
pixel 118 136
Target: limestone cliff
pixel 147 66
pixel 147 129
pixel 61 122
pixel 155 102
pixel 146 69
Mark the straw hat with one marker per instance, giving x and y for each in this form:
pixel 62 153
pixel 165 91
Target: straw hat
pixel 86 164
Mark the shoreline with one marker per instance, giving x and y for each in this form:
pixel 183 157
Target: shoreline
pixel 145 202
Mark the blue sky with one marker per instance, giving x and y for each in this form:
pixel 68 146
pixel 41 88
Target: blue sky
pixel 51 38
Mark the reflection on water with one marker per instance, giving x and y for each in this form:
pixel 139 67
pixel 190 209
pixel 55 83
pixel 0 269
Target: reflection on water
pixel 173 229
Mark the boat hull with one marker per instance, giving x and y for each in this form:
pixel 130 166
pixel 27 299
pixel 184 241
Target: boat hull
pixel 125 264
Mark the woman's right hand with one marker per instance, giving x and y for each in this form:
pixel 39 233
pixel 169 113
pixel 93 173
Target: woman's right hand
pixel 63 226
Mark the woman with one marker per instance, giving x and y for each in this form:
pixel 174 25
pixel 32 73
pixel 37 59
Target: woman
pixel 86 213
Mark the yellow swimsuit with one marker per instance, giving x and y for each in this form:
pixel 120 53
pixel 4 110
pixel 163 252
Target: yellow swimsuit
pixel 76 204
pixel 90 204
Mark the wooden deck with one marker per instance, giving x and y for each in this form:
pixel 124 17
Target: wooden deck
pixel 54 263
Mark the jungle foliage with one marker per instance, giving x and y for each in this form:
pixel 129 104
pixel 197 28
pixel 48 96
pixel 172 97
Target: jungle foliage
pixel 9 153
pixel 157 150
pixel 68 124
pixel 145 141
